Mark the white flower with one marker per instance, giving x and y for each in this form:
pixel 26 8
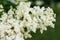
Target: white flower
pixel 18 37
pixel 39 2
pixel 1 8
pixel 27 35
pixel 8 38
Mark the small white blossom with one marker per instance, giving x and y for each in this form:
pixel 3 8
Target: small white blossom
pixel 39 2
pixel 1 8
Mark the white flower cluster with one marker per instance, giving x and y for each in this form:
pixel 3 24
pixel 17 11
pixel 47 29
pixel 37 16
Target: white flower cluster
pixel 17 24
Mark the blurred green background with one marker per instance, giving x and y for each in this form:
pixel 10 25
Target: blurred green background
pixel 50 34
